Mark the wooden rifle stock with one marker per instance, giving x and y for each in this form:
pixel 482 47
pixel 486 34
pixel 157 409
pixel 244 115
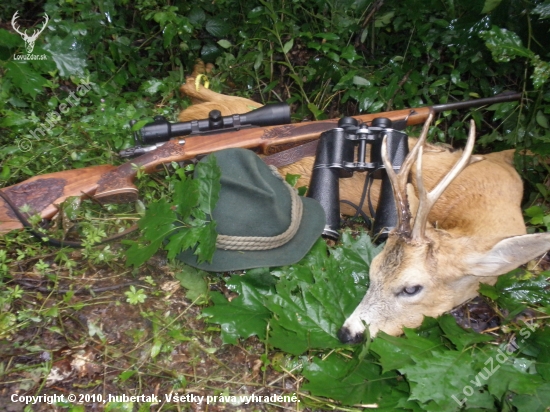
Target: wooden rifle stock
pixel 114 184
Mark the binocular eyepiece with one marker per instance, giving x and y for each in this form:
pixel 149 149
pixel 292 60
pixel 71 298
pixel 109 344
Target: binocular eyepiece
pixel 342 151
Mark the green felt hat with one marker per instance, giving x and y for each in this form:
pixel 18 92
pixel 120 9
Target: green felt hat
pixel 261 220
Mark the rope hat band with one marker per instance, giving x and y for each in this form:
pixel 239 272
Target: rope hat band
pixel 228 242
pixel 261 220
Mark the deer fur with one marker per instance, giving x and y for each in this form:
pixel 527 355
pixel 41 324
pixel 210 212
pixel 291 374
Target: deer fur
pixel 204 100
pixel 473 232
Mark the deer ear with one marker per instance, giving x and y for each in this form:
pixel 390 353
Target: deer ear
pixel 508 254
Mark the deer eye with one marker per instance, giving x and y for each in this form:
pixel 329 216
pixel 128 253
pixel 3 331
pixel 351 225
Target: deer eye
pixel 410 290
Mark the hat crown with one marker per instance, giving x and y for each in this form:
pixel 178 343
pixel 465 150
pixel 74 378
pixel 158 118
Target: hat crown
pixel 253 201
pixel 261 221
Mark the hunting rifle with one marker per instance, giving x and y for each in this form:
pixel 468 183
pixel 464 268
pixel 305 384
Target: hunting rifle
pixel 114 184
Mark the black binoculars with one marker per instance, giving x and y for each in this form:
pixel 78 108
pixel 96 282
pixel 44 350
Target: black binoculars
pixel 342 151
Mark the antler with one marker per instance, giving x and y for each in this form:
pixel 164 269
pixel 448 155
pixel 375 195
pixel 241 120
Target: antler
pixel 399 181
pixel 35 34
pixel 428 199
pixel 25 35
pixel 15 17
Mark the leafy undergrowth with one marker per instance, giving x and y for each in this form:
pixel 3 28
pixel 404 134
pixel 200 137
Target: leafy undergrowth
pixel 87 330
pixel 439 367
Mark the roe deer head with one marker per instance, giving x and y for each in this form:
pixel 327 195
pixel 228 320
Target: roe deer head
pixel 427 270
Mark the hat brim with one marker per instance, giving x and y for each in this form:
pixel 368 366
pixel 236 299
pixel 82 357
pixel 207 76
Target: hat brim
pixel 311 226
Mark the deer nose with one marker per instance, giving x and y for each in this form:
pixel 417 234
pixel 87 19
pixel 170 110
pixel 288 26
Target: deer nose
pixel 347 336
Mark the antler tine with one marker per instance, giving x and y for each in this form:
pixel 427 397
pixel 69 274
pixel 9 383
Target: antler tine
pixel 399 181
pixel 37 32
pixel 47 19
pixel 428 199
pixel 13 19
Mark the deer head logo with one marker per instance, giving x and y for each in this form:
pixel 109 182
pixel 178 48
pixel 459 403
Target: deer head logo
pixel 29 40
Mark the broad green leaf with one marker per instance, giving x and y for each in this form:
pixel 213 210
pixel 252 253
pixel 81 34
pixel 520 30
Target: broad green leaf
pixel 542 120
pixel 361 81
pixel 182 239
pixel 152 86
pixel 155 349
pixel 246 315
pixel 69 55
pixel 23 76
pixel 292 179
pixel 196 16
pixel 168 33
pixel 349 381
pixel 519 287
pixel 439 82
pixel 158 220
pixel 328 36
pixel 490 5
pixel 208 174
pixel 459 337
pixel 288 45
pixel 157 223
pixel 395 352
pixel 315 296
pixel 543 9
pixel 186 196
pixel 217 27
pixel 224 43
pixel 207 243
pixel 10 40
pixel 537 402
pixel 194 280
pixel 384 19
pixel 439 376
pixel 541 342
pixel 504 377
pixel 505 45
pixel 541 72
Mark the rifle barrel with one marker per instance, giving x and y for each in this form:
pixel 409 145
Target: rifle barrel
pixel 501 98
